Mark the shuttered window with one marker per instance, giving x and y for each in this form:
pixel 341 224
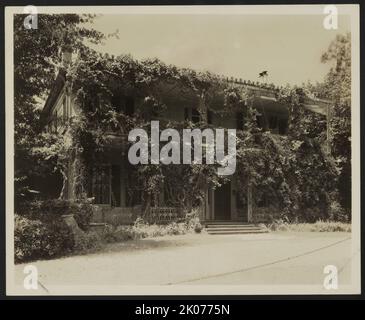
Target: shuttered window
pixel 101 184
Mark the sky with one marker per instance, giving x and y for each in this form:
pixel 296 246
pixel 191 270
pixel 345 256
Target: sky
pixel 289 47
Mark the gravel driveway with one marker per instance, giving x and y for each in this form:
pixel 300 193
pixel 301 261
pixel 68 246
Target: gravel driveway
pixel 274 259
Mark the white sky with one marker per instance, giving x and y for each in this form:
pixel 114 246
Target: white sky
pixel 288 46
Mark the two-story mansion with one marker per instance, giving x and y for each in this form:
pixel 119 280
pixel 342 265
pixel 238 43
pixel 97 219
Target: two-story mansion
pixel 112 185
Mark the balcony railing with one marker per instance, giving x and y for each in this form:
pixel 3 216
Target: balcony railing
pixel 165 215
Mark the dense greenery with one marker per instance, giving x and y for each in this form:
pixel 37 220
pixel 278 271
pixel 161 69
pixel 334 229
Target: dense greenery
pixel 293 173
pixel 337 88
pixel 48 236
pixel 47 210
pixel 40 231
pixel 37 59
pixel 35 239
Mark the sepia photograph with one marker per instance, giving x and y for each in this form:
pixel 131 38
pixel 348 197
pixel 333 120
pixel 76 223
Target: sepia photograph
pixel 182 150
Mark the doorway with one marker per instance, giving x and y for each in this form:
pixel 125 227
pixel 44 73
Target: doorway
pixel 222 202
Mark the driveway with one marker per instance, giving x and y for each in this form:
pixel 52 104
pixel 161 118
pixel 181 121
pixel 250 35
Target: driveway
pixel 273 259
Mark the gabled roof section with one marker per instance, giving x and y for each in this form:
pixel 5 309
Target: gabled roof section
pixel 58 85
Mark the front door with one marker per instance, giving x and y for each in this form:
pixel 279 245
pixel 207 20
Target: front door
pixel 222 202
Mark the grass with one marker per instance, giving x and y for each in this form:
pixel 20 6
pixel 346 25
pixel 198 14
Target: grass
pixel 319 226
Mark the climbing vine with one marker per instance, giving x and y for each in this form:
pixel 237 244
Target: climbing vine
pixel 290 173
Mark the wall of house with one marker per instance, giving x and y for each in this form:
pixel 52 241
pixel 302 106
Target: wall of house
pixel 176 111
pixel 64 109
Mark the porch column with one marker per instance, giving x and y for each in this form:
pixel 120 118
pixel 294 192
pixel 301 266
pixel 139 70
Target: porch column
pixel 249 202
pixel 206 205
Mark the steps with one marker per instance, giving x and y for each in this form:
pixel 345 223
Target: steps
pixel 232 227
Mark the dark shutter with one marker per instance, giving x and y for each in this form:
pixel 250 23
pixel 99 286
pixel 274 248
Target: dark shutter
pixel 129 106
pixel 239 120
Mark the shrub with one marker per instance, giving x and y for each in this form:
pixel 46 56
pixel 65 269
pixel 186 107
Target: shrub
pixel 83 214
pixel 141 229
pixel 113 234
pixel 48 210
pixel 176 229
pixel 318 226
pixel 193 222
pixel 87 241
pixel 337 213
pixel 35 239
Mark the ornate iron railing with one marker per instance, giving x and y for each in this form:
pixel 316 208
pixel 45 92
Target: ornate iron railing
pixel 164 214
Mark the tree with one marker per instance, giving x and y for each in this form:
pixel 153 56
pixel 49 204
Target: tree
pixel 337 88
pixel 37 58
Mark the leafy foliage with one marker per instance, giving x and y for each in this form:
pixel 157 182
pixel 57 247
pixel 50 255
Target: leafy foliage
pixel 48 210
pixel 337 88
pixel 34 239
pixel 292 172
pixel 37 58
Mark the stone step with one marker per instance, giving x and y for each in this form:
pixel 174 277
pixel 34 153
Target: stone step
pixel 227 232
pixel 233 229
pixel 226 222
pixel 247 226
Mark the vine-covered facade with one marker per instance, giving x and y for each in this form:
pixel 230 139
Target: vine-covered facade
pixel 95 102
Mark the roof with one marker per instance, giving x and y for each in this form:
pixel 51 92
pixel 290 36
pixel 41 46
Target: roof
pixel 54 94
pixel 266 91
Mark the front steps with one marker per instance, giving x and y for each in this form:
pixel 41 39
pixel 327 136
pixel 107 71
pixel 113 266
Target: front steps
pixel 233 227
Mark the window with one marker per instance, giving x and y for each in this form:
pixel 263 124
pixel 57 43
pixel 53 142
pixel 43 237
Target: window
pixel 195 116
pixel 123 104
pixel 283 126
pixel 101 184
pixel 167 196
pixel 239 120
pixel 116 102
pixel 273 122
pixel 133 192
pixel 129 106
pixel 209 117
pixel 260 121
pixel 186 114
pixel 92 102
pixel 115 183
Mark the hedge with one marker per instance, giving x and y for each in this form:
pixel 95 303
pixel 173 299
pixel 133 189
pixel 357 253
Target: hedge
pixel 35 239
pixel 40 231
pixel 47 210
